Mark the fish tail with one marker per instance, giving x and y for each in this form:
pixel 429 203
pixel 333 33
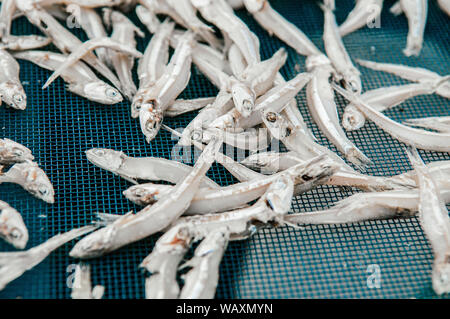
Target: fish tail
pixel 358 158
pixel 414 157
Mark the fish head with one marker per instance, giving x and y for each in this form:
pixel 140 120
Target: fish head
pixel 243 98
pixel 136 104
pixel 38 183
pixel 441 274
pixel 254 161
pixel 279 195
pixel 278 126
pixel 254 6
pixel 95 244
pixel 106 159
pixel 15 152
pixel 352 119
pixel 352 82
pixel 263 161
pixel 143 195
pixel 314 169
pixel 12 93
pixel 12 227
pixel 150 119
pixel 102 92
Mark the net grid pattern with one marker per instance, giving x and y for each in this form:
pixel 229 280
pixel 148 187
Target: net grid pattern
pixel 325 261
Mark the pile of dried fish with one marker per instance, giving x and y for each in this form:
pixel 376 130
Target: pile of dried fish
pixel 27 174
pixel 255 104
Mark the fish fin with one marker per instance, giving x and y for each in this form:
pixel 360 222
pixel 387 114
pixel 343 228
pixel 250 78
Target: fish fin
pixel 396 9
pixel 171 130
pixel 284 221
pixel 88 47
pixel 357 157
pixel 414 157
pixel 105 219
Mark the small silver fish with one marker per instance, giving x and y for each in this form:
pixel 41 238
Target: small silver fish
pixel 32 178
pixel 15 264
pixel 11 90
pixel 145 168
pixel 80 79
pixel 201 281
pixel 433 217
pixel 437 123
pixel 133 227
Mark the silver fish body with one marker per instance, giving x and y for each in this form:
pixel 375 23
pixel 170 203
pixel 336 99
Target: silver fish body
pixel 219 13
pixel 153 64
pixel 24 42
pixel 91 22
pixel 323 109
pixel 11 90
pixel 201 281
pixel 384 98
pixel 85 50
pixel 364 13
pixel 168 87
pixel 437 123
pixel 276 24
pixel 181 106
pixel 366 206
pixel 144 168
pixel 163 263
pixel 123 32
pixel 415 137
pixel 67 42
pixel 31 178
pixel 15 264
pixel 130 228
pixel 435 222
pixel 80 79
pixel 336 52
pixel 415 74
pixel 207 200
pixel 416 12
pixel 445 6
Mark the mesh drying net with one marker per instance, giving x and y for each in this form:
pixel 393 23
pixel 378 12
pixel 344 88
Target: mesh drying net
pixel 315 262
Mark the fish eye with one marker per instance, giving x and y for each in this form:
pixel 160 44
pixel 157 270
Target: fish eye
pixel 353 86
pixel 149 126
pixel 271 117
pixel 288 131
pixel 100 152
pixel 196 135
pixel 139 192
pixel 110 92
pixel 43 191
pixel 15 233
pixel 17 152
pixel 18 98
